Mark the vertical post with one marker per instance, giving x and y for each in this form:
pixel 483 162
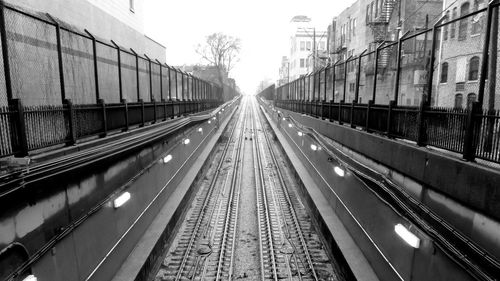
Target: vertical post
pixel 421 136
pixel 5 52
pixel 151 97
pixel 71 122
pixel 22 140
pixel 59 58
pixel 119 59
pixel 430 75
pixel 169 84
pixel 143 116
pixel 161 80
pixel 137 74
pixel 368 109
pixel 96 69
pixel 484 60
pixel 375 72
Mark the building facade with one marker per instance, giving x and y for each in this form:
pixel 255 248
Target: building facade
pixel 119 20
pixel 367 24
pixel 306 46
pixel 460 56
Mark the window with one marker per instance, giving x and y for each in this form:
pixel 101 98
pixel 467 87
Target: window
pixel 131 5
pixel 301 62
pixel 308 45
pixel 477 20
pixel 307 62
pixel 352 87
pixel 302 45
pixel 462 26
pixel 376 8
pixel 458 100
pixel 367 14
pixel 444 72
pixel 453 25
pixel 354 27
pixel 445 28
pixel 470 99
pixel 473 68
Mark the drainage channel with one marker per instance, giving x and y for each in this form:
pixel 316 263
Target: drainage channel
pixel 247 220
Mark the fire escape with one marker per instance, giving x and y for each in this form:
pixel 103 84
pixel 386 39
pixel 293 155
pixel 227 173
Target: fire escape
pixel 379 26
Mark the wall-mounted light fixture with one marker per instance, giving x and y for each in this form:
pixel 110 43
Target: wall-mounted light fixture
pixel 120 200
pixel 167 158
pixel 410 238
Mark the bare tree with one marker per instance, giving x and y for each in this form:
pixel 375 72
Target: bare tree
pixel 220 50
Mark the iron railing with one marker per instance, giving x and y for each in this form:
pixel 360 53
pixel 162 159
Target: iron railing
pixel 59 85
pixel 408 89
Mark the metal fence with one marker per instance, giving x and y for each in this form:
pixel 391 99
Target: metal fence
pixel 59 85
pixel 437 86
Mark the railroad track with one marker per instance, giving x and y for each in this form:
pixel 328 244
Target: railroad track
pixel 209 232
pixel 288 246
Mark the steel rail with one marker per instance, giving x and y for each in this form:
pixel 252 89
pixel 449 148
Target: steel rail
pixel 260 190
pixel 199 219
pixel 289 202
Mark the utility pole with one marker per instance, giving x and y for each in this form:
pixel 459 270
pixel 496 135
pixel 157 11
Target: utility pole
pixel 492 72
pixel 314 49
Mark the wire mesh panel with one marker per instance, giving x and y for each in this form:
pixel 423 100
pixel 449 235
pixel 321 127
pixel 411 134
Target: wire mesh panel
pixel 107 65
pixel 366 78
pixel 458 59
pixel 79 68
pixel 144 80
pixel 135 114
pixel 414 69
pixel 445 128
pixel 352 68
pixel 88 120
pixel 155 75
pixel 46 125
pixel 339 82
pixel 115 116
pixel 404 120
pixel 129 80
pixel 377 119
pixel 386 74
pixel 5 131
pixel 165 82
pixel 33 59
pixel 3 92
pixel 359 115
pixel 488 140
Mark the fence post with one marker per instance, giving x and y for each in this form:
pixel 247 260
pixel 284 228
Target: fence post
pixel 104 118
pixel 143 115
pixel 125 106
pixel 137 74
pixel 119 60
pixel 485 58
pixel 431 63
pixel 151 97
pixel 469 149
pixel 96 72
pixel 59 57
pixel 368 109
pixel 71 122
pixel 421 136
pixel 20 129
pixel 5 52
pixel 389 116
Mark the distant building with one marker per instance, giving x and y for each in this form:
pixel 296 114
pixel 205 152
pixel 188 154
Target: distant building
pixel 284 71
pixel 120 20
pixel 306 43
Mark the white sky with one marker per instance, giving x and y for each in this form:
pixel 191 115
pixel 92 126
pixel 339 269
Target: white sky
pixel 262 26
